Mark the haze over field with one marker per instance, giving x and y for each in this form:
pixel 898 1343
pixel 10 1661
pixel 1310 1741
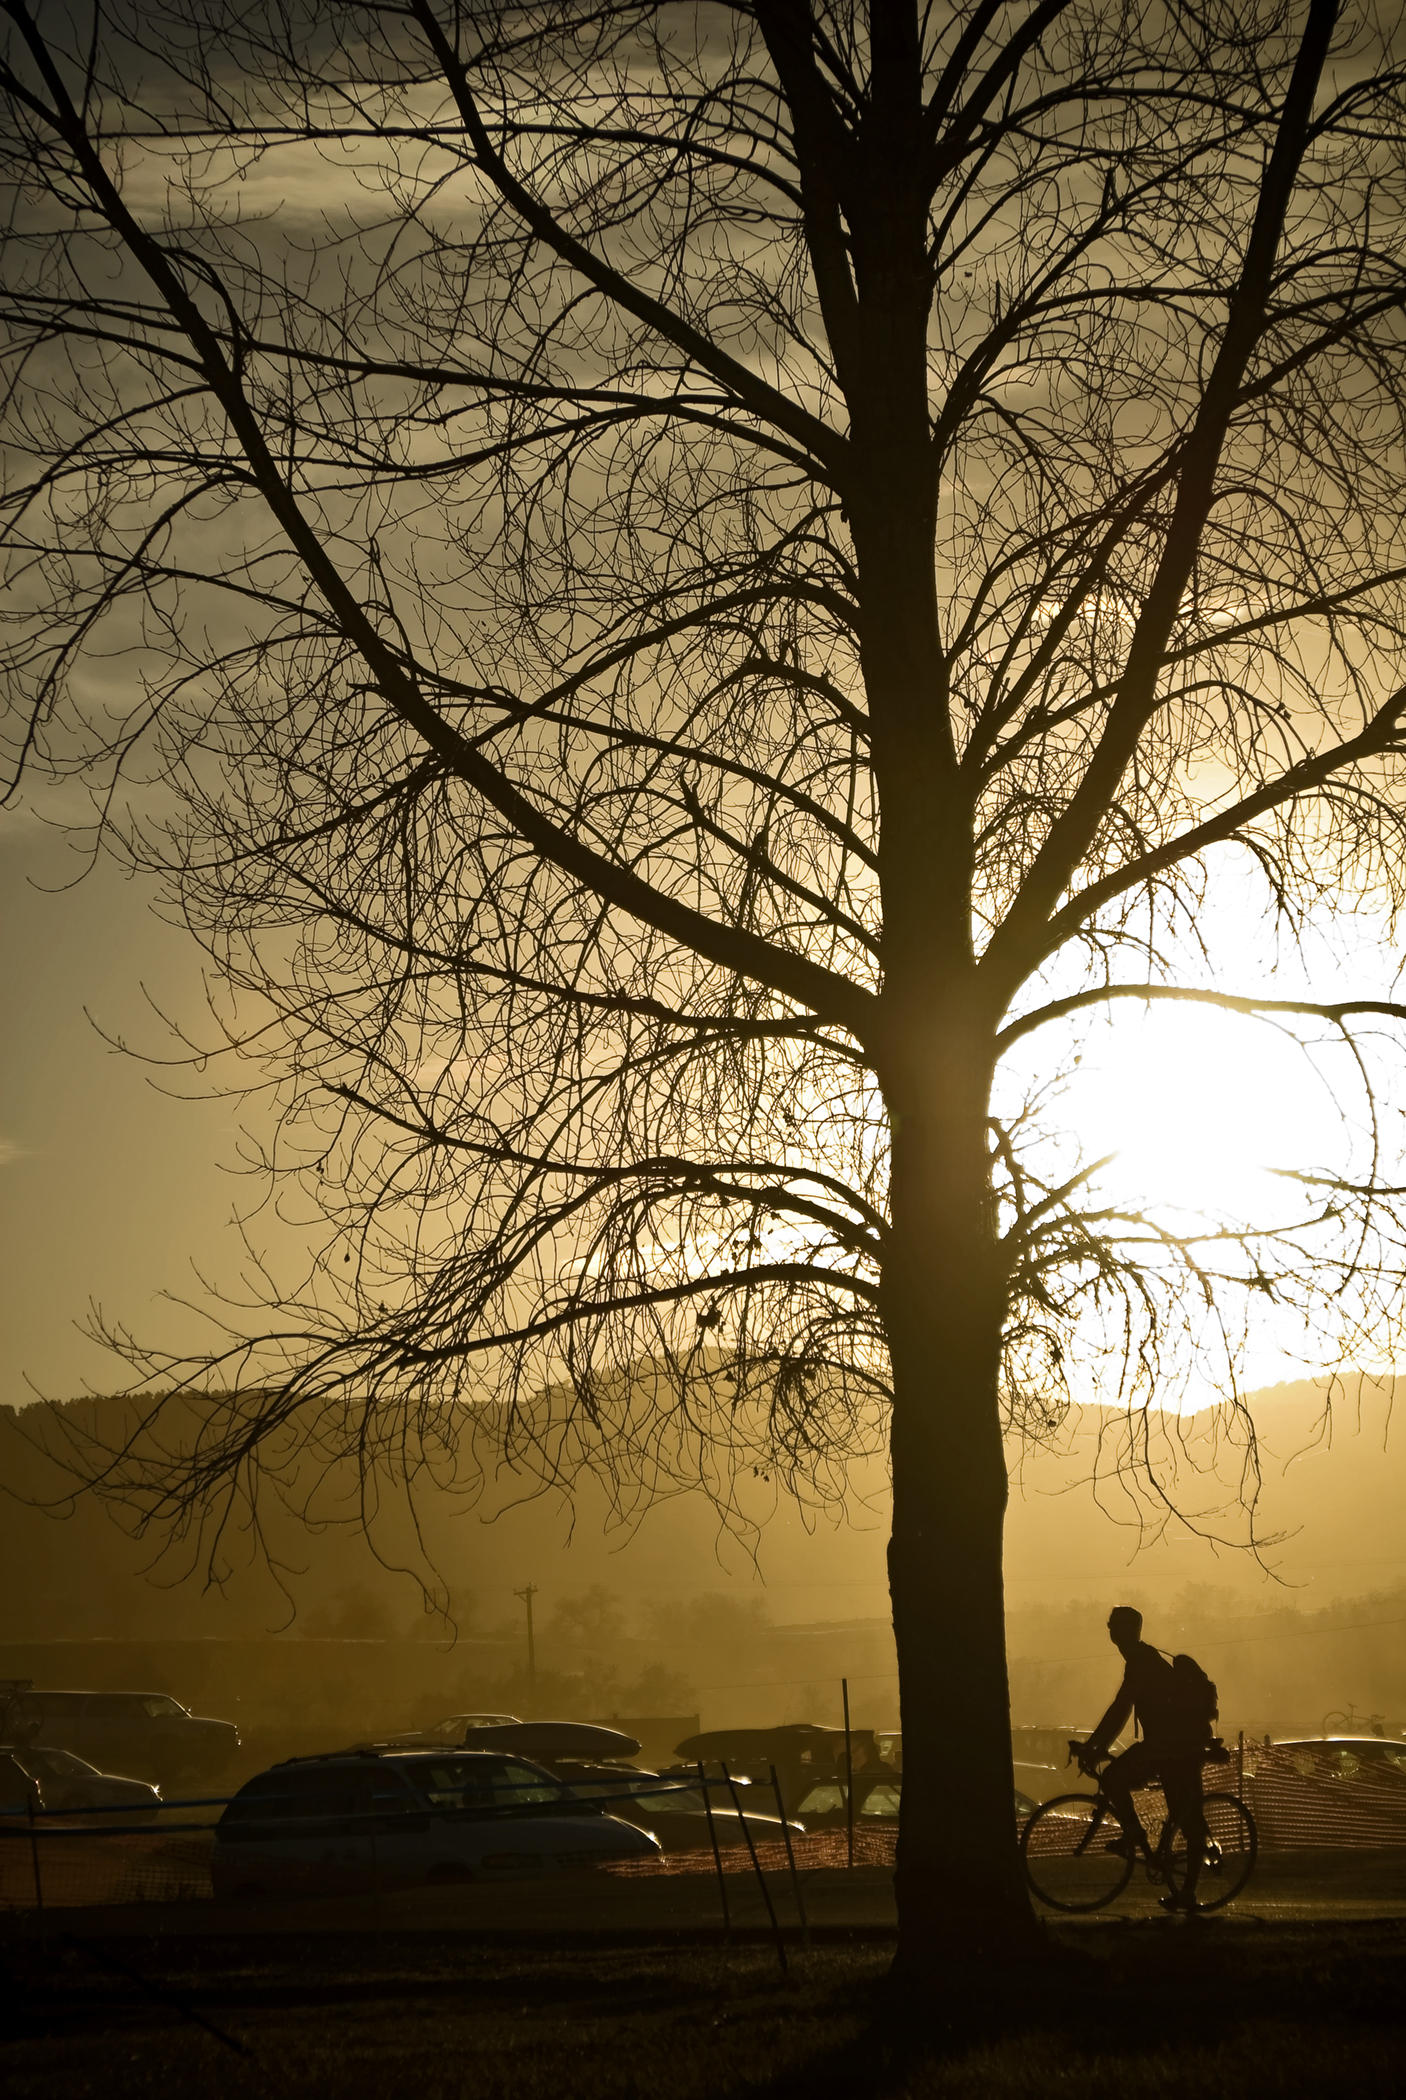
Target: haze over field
pixel 678 1617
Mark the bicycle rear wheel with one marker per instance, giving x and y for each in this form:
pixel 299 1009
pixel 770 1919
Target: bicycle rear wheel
pixel 1232 1847
pixel 1064 1849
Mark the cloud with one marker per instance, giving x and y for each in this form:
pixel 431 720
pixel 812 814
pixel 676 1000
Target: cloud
pixel 9 1151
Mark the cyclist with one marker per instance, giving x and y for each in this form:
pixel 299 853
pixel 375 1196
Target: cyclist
pixel 1174 1746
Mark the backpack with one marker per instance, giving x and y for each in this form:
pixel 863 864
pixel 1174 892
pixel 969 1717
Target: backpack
pixel 1191 1696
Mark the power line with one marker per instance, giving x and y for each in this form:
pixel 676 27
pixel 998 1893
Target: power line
pixel 1240 1640
pixel 527 1596
pixel 1292 1633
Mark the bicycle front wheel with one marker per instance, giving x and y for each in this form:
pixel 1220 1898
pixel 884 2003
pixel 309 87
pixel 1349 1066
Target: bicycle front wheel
pixel 1065 1851
pixel 1232 1847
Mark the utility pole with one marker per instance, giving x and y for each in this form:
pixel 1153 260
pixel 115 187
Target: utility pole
pixel 527 1596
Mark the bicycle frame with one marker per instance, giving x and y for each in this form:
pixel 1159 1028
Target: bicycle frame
pixel 1227 1848
pixel 1151 1855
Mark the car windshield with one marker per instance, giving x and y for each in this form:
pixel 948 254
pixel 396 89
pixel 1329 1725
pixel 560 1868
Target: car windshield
pixel 595 1784
pixel 880 1801
pixel 1350 1758
pixel 60 1764
pixel 676 1801
pixel 457 1726
pixel 524 1782
pixel 161 1708
pixel 480 1781
pixel 820 1800
pixel 1374 1750
pixel 456 1782
pixel 328 1790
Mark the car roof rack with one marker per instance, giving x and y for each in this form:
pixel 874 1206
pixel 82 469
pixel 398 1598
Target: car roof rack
pixel 323 1757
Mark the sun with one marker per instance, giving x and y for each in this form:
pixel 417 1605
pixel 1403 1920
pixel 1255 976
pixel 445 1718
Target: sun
pixel 1200 1107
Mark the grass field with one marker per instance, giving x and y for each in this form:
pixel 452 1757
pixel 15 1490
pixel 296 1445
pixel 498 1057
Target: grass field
pixel 1119 2011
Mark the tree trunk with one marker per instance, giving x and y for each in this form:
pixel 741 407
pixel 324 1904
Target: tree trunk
pixel 960 1887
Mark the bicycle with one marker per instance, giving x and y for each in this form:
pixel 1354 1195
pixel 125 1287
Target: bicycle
pixel 1071 1868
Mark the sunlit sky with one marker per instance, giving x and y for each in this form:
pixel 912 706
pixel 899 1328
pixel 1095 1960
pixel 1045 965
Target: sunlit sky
pixel 1198 1106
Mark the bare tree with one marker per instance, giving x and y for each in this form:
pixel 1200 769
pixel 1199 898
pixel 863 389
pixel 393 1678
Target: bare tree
pixel 689 578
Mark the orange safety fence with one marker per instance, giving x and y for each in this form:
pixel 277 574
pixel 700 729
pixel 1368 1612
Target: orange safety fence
pixel 1300 1800
pixel 101 1868
pixel 818 1848
pixel 1304 1799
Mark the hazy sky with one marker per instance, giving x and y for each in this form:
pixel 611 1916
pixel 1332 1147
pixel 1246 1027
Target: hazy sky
pixel 110 1190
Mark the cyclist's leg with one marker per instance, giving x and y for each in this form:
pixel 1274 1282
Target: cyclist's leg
pixel 1184 1785
pixel 1120 1781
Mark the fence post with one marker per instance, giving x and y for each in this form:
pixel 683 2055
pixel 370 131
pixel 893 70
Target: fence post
pixel 1240 1767
pixel 791 1862
pixel 717 1856
pixel 375 1876
pixel 757 1866
pixel 849 1779
pixel 34 1861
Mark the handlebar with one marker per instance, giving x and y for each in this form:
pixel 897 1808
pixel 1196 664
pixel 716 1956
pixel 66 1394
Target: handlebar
pixel 1086 1763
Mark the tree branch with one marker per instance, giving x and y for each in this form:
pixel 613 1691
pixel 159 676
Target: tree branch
pixel 793 976
pixel 1058 1009
pixel 1019 940
pixel 1381 734
pixel 828 451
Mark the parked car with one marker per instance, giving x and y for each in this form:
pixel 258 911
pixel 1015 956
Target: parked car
pixel 1347 1756
pixel 677 1814
pixel 408 1819
pixel 143 1735
pixel 69 1782
pixel 804 1754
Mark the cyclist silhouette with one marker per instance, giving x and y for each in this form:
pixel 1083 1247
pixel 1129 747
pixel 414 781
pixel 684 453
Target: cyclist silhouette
pixel 1175 1742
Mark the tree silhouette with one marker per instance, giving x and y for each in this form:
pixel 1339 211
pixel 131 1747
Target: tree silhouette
pixel 663 587
pixel 595 1615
